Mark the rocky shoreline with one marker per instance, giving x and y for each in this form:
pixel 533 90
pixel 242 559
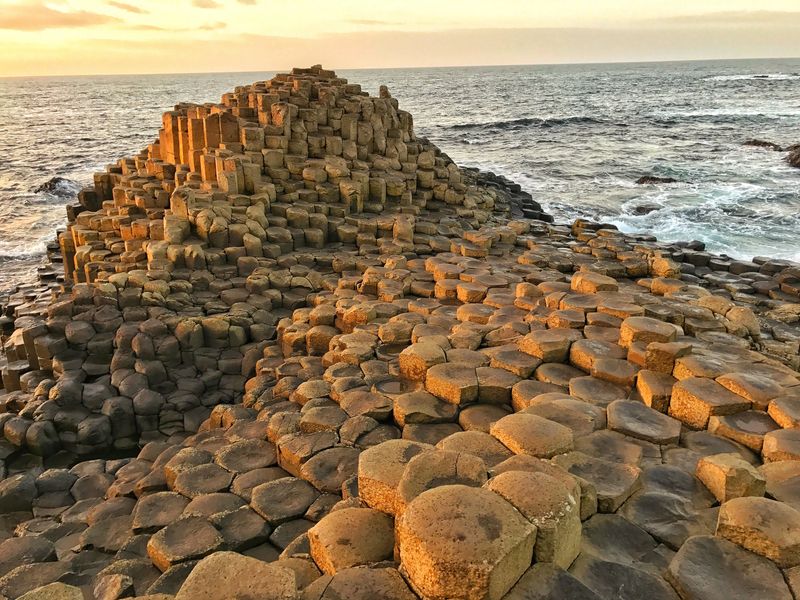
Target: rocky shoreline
pixel 296 352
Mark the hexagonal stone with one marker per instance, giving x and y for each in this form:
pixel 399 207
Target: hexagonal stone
pixel 596 391
pixel 186 539
pixel 711 568
pixel 614 538
pixel 283 499
pixel 580 417
pixel 244 484
pixel 24 550
pixel 785 411
pixel 636 420
pixel 360 583
pixel 783 444
pixel 477 443
pixel 752 386
pixel 655 389
pixel 461 542
pixel 246 455
pixel 54 591
pixel 548 345
pixel 747 427
pixel 422 407
pixel 614 482
pixel 669 518
pixel 329 469
pixel 479 417
pixel 619 581
pixel 209 505
pixel 430 434
pixel 553 509
pixel 27 578
pixel 646 330
pixel 524 392
pixel 783 481
pixel 545 581
pixel 435 468
pixel 108 535
pixel 535 436
pixel 766 527
pixel 728 476
pixel 418 358
pixel 612 446
pixel 351 537
pixel 514 361
pixel 203 479
pixel 677 482
pixel 362 402
pixel 453 383
pixel 380 469
pixel 154 511
pixel 242 528
pixel 231 575
pixel 696 399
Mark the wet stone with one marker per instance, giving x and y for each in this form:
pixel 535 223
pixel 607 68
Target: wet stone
pixel 614 482
pixel 283 499
pixel 712 568
pixel 185 539
pixel 636 420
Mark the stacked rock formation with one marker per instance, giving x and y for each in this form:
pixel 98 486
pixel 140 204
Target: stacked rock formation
pixel 349 369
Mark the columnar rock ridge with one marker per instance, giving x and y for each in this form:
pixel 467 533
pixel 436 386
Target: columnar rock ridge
pixel 297 353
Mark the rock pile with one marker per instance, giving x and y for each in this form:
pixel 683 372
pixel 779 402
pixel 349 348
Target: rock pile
pixel 348 369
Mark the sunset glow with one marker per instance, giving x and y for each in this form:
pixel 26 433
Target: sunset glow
pixel 42 37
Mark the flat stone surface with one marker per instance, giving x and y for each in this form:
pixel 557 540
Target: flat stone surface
pixel 283 499
pixel 696 399
pixel 553 509
pixel 452 383
pixel 783 444
pixel 329 469
pixel 639 421
pixel 360 583
pixel 186 539
pixel 545 581
pixel 230 575
pixel 712 568
pixel 380 469
pixel 462 542
pixel 668 518
pixel 728 476
pixel 435 468
pixel 158 510
pixel 614 482
pixel 766 527
pixel 532 435
pixel 620 581
pixel 203 479
pixel 351 537
pixel 477 443
pixel 246 455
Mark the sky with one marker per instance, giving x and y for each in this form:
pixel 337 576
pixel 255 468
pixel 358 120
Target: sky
pixel 79 37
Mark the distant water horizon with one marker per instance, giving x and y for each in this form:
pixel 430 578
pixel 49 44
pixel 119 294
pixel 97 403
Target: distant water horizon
pixel 576 136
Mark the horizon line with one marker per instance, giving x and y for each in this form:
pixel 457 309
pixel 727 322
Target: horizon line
pixel 474 66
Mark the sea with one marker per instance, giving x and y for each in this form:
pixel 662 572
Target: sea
pixel 577 137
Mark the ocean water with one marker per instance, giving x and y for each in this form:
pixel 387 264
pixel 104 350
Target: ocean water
pixel 577 137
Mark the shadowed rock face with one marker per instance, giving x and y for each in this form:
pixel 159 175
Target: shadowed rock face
pixel 300 354
pixel 652 179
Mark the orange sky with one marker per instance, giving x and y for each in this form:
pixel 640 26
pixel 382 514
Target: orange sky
pixel 70 37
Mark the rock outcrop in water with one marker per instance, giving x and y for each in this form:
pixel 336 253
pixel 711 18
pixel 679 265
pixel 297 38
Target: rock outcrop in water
pixel 299 354
pixel 652 179
pixel 763 144
pixel 58 186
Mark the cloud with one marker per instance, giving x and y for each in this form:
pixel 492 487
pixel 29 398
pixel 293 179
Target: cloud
pixel 207 27
pixel 35 16
pixel 247 2
pixel 370 22
pixel 206 3
pixel 127 7
pixel 742 18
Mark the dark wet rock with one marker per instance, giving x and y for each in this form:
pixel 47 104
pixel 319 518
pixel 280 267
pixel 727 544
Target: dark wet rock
pixel 544 581
pixel 668 518
pixel 652 179
pixel 58 186
pixel 710 568
pixel 619 581
pixel 763 144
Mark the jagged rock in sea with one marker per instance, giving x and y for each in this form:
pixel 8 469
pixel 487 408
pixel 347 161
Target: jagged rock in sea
pixel 652 179
pixel 298 353
pixel 763 144
pixel 58 186
pixel 793 158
